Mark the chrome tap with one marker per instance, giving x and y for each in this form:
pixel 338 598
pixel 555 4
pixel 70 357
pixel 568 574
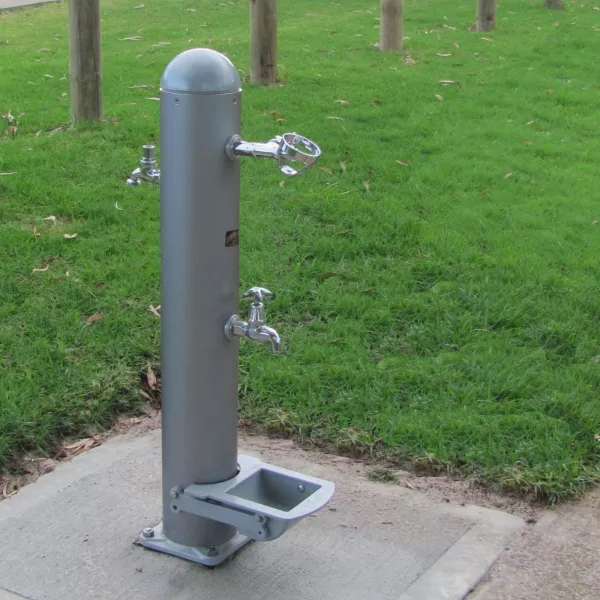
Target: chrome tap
pixel 255 328
pixel 147 169
pixel 286 149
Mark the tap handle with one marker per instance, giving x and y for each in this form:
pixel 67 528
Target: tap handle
pixel 257 294
pixel 294 149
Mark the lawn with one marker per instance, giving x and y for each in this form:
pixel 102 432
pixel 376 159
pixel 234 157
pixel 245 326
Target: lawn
pixel 437 277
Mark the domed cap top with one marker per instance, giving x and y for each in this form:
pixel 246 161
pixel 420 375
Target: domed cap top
pixel 201 71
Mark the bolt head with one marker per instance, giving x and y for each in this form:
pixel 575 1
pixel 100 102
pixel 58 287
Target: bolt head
pixel 174 493
pixel 148 532
pixel 212 551
pixel 301 489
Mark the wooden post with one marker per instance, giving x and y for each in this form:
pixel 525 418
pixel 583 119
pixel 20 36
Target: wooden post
pixel 263 41
pixel 486 15
pixel 555 4
pixel 390 25
pixel 85 59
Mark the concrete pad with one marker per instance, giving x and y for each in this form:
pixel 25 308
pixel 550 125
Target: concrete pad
pixel 11 4
pixel 71 535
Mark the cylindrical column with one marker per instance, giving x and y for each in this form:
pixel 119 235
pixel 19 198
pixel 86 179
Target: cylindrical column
pixel 263 41
pixel 486 15
pixel 85 59
pixel 199 197
pixel 390 25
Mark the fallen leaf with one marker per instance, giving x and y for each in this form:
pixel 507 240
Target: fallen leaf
pixel 191 9
pixel 326 169
pixel 49 76
pixel 343 166
pixel 151 377
pixel 366 184
pixel 44 50
pixel 508 175
pixel 344 102
pixel 555 24
pixel 409 485
pixel 146 395
pixel 154 310
pixel 82 445
pixel 6 493
pixel 10 130
pixel 376 102
pixel 549 91
pixel 439 97
pixel 281 183
pixel 56 130
pixel 405 163
pixel 153 99
pixel 117 206
pixel 9 173
pixel 133 38
pixel 336 118
pixel 141 85
pixel 487 39
pixel 448 82
pixel 409 61
pixel 455 44
pixel 595 222
pixel 94 318
pixel 40 270
pixel 443 54
pixel 70 236
pixel 138 6
pixel 530 122
pixel 528 142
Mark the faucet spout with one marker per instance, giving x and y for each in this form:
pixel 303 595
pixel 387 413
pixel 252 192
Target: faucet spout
pixel 263 333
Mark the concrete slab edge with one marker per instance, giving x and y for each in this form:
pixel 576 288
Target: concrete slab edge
pixel 33 4
pixel 464 565
pixel 6 595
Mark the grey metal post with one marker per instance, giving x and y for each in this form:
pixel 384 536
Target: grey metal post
pixel 214 501
pixel 199 195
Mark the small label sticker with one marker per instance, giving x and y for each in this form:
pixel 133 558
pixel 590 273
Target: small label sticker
pixel 232 238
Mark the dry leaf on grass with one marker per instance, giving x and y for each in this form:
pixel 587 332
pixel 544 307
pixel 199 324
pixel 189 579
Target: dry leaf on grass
pixel 343 166
pixel 9 173
pixel 48 76
pixel 140 85
pixel 154 309
pixel 405 163
pixel 153 99
pixel 70 236
pixel 326 169
pixel 444 54
pixel 455 44
pixel 138 6
pixel 6 493
pixel 409 61
pixel 133 38
pixel 152 381
pixel 10 130
pixel 366 184
pixel 81 445
pixel 439 97
pixel 343 102
pixel 448 82
pixel 595 222
pixel 528 142
pixel 43 270
pixel 336 118
pixel 94 318
pixel 487 39
pixel 281 183
pixel 508 175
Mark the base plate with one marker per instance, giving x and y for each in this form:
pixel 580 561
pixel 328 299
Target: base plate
pixel 209 557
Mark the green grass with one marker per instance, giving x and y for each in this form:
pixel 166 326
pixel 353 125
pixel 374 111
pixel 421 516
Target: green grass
pixel 449 316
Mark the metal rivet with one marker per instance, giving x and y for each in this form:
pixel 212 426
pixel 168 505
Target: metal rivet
pixel 176 100
pixel 174 493
pixel 260 519
pixel 148 532
pixel 212 551
pixel 301 489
